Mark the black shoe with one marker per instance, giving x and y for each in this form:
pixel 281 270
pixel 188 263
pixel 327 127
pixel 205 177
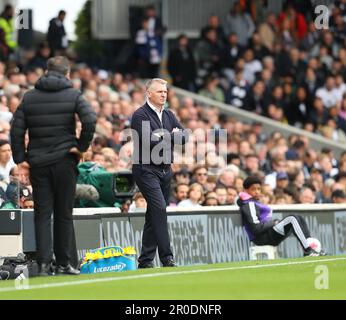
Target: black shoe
pixel 312 253
pixel 145 265
pixel 169 263
pixel 45 269
pixel 62 270
pixel 323 253
pixel 4 275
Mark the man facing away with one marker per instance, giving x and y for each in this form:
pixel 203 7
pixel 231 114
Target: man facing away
pixel 260 227
pixel 48 113
pixel 155 130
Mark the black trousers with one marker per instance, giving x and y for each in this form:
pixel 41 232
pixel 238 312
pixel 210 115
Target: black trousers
pixel 154 183
pixel 295 224
pixel 54 188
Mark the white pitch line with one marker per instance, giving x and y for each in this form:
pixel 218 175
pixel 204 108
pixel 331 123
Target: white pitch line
pixel 153 275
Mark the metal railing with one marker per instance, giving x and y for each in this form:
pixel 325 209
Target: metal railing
pixel 316 141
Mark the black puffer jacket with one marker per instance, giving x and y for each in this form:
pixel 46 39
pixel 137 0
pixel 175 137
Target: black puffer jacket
pixel 48 112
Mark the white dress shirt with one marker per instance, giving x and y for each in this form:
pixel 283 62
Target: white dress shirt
pixel 157 111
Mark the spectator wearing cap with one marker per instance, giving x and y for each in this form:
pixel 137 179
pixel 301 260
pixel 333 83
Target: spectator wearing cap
pixel 296 151
pixel 282 181
pixel 338 196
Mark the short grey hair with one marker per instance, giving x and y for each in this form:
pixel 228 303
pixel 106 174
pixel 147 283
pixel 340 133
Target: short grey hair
pixel 59 64
pixel 150 82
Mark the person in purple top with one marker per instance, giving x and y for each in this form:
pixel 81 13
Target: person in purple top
pixel 259 225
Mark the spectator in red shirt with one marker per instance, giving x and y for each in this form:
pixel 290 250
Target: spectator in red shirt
pixel 298 25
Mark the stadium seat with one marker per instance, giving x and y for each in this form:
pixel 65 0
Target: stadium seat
pixel 256 252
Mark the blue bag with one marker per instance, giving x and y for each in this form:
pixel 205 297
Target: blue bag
pixel 109 259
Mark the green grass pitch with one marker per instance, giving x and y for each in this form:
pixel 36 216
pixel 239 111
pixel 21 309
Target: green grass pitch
pixel 302 278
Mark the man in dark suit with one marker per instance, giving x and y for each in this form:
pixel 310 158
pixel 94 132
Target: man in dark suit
pixel 48 113
pixel 155 131
pixel 56 35
pixel 182 65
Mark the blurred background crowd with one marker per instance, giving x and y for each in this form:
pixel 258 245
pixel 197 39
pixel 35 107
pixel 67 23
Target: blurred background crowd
pixel 275 65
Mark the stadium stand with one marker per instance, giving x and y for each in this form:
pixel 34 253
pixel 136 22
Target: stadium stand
pixel 279 94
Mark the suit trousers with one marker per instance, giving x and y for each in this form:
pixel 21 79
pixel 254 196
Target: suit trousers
pixel 154 183
pixel 54 188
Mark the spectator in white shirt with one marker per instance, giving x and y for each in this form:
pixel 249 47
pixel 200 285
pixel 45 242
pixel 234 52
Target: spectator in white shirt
pixel 328 93
pixel 196 197
pixel 138 203
pixel 6 161
pixel 252 66
pixel 340 87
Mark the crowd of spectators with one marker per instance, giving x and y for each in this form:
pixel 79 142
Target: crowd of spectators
pixel 281 66
pixel 210 173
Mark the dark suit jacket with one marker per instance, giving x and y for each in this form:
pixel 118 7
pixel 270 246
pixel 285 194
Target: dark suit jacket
pixel 146 123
